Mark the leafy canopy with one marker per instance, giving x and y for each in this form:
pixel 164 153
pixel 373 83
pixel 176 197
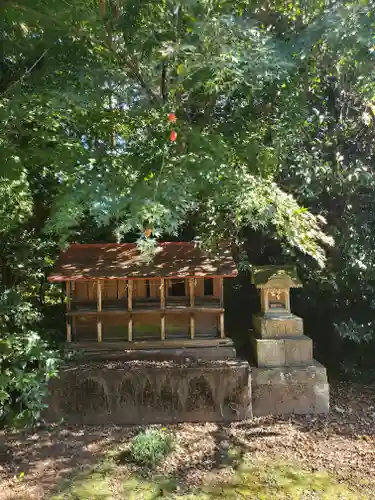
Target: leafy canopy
pixel 85 98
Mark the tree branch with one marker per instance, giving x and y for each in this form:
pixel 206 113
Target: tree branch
pixel 26 74
pixel 163 83
pixel 133 65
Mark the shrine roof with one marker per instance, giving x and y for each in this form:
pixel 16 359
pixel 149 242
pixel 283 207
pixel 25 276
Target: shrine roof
pixel 124 260
pixel 266 276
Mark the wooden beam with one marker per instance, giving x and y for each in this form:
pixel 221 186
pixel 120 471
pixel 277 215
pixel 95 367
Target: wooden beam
pixel 130 308
pixel 222 331
pixel 151 344
pixel 162 306
pixel 152 310
pixel 68 307
pixel 99 308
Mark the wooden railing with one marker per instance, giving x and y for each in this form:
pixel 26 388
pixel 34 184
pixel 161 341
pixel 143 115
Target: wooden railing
pixel 192 306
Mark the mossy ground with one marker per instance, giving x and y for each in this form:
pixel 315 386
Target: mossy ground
pixel 296 457
pixel 258 480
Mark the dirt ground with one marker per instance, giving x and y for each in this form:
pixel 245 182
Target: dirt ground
pixel 342 443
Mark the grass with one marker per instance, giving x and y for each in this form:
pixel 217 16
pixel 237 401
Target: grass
pixel 151 447
pixel 258 480
pixel 91 486
pixel 266 481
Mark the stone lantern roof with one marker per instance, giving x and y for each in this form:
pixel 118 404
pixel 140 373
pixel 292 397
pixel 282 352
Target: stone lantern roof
pixel 275 277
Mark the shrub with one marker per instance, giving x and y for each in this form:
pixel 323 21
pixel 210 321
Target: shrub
pixel 150 447
pixel 26 363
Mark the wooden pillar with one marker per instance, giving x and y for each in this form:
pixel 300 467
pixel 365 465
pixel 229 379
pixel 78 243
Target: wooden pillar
pixel 264 300
pixel 222 331
pixel 287 304
pixel 99 308
pixel 192 304
pixel 221 284
pixel 74 318
pixel 68 309
pixel 74 327
pixel 162 307
pixel 221 316
pixel 130 308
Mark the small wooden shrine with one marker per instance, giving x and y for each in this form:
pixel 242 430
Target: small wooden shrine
pixel 113 295
pixel 274 283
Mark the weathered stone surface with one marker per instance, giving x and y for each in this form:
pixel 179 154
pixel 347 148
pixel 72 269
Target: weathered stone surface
pixel 298 350
pixel 270 352
pixel 283 352
pixel 151 392
pixel 314 371
pixel 286 390
pixel 277 326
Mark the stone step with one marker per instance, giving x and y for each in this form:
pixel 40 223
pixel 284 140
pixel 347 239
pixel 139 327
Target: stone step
pixel 268 326
pixel 289 351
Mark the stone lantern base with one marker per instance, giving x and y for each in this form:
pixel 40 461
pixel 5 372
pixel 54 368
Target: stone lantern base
pixel 286 379
pixel 290 389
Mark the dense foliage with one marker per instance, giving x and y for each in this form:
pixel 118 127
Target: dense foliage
pixel 275 137
pixel 26 363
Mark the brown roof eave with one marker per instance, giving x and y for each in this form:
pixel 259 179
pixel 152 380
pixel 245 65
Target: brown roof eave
pixel 62 279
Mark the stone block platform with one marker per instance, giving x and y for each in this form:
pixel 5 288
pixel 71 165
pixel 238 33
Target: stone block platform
pixel 273 326
pixel 284 390
pixel 144 392
pixel 283 351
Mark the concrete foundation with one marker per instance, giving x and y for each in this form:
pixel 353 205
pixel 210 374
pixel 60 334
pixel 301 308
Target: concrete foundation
pixel 142 392
pixel 286 390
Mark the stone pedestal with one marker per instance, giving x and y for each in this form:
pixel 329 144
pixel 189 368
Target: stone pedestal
pixel 287 379
pixel 283 390
pixel 282 325
pixel 283 351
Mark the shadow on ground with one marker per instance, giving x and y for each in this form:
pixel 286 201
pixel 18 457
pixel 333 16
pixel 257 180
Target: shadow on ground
pixel 340 443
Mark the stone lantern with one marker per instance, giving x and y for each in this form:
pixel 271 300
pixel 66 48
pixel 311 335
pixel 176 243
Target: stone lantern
pixel 286 378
